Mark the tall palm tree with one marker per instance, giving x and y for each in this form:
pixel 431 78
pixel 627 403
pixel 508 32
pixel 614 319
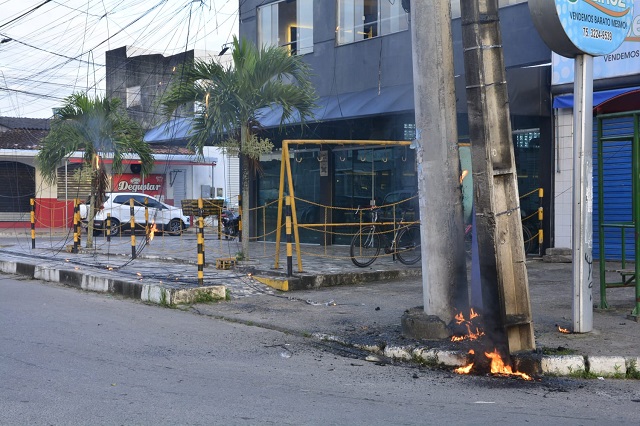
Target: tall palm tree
pixel 97 127
pixel 229 100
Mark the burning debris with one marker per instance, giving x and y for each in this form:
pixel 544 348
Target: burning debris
pixel 467 368
pixel 469 326
pixel 152 231
pixel 497 366
pixel 492 362
pixel 563 330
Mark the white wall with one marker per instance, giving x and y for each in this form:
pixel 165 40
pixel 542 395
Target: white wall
pixel 225 175
pixel 564 176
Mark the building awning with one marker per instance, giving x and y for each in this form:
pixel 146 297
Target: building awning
pixel 170 131
pixel 391 99
pixel 566 101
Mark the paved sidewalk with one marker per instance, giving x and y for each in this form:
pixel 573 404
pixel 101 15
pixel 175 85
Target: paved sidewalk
pixel 360 307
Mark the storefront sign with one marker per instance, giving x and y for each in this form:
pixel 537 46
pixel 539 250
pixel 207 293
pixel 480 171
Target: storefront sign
pixel 576 27
pixel 150 185
pixel 625 60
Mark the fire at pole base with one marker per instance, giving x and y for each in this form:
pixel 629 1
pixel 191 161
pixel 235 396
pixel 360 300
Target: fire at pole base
pixel 492 362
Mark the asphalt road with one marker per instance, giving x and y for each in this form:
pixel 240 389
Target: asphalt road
pixel 72 357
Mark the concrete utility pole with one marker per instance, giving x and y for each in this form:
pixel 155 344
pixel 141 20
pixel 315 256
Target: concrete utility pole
pixel 503 272
pixel 444 280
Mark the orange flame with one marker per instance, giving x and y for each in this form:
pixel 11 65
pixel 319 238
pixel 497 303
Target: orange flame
pixel 563 330
pixel 499 367
pixel 465 369
pixel 471 335
pixel 152 230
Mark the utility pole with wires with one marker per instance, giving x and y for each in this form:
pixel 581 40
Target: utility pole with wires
pixel 503 272
pixel 444 281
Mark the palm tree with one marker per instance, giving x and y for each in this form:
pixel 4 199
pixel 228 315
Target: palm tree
pixel 229 100
pixel 96 127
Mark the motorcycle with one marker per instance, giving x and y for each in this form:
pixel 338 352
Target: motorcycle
pixel 230 224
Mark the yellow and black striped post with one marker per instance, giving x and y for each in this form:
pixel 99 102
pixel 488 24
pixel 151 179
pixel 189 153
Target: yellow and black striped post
pixel 288 232
pixel 33 223
pixel 240 218
pixel 132 224
pixel 76 236
pixel 107 231
pixel 200 242
pixel 540 217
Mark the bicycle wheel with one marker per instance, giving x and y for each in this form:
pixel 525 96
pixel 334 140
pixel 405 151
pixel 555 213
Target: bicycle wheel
pixel 408 247
pixel 365 247
pixel 528 239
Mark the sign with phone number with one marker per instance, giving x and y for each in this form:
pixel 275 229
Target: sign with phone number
pixel 574 27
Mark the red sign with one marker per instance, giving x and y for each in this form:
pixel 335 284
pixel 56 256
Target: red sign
pixel 150 185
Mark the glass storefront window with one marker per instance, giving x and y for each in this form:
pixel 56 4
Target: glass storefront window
pixel 367 175
pixel 360 175
pixel 287 23
pixel 363 19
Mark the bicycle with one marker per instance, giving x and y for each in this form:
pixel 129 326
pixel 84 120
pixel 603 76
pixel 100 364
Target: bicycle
pixel 366 244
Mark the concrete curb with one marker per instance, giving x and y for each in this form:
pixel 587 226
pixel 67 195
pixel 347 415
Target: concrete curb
pixel 300 281
pixel 535 365
pixel 153 293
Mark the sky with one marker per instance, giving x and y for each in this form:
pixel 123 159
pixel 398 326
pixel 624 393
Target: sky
pixel 50 49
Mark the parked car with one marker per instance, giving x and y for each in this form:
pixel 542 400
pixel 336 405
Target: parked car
pixel 167 218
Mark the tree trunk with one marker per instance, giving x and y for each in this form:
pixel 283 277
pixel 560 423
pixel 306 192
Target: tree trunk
pixel 90 214
pixel 95 176
pixel 246 231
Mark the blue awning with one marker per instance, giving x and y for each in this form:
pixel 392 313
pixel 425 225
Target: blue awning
pixel 566 101
pixel 170 131
pixel 393 99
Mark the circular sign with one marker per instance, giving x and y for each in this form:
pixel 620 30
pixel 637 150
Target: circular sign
pixel 576 27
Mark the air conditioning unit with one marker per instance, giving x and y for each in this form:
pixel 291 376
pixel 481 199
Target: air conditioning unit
pixel 205 191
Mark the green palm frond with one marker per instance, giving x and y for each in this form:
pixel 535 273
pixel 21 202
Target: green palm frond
pixel 92 126
pixel 228 98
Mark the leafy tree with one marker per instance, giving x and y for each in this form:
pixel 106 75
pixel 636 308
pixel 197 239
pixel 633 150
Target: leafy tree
pixel 97 127
pixel 229 99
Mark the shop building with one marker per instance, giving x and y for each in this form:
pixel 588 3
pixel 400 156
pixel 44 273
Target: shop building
pixel 177 174
pixel 361 60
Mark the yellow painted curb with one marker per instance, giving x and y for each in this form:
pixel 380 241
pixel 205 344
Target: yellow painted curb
pixel 278 284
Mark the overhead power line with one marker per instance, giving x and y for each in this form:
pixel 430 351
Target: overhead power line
pixel 25 14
